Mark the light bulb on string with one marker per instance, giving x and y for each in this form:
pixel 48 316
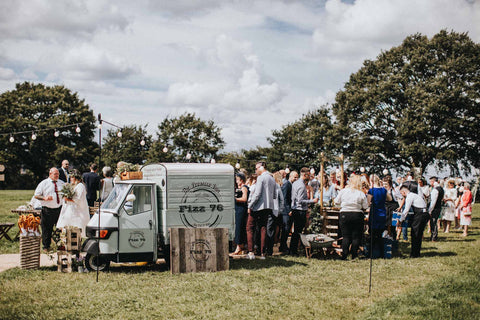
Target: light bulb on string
pixel 119 133
pixel 56 134
pixel 385 172
pixel 142 143
pixel 99 126
pixel 287 170
pixel 312 171
pixel 188 156
pixel 237 165
pixel 77 129
pixel 12 139
pixel 362 169
pixel 212 161
pixel 165 149
pixel 34 136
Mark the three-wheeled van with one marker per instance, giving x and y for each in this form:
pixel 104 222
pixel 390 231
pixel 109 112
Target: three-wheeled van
pixel 136 216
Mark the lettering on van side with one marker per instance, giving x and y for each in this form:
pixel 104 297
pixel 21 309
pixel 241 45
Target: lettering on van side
pixel 136 239
pixel 200 205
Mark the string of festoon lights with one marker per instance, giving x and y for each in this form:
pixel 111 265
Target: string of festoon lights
pixel 13 136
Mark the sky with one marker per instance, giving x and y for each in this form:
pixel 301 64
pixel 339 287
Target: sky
pixel 250 66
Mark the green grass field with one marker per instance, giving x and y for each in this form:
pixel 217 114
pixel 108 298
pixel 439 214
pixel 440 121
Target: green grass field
pixel 443 284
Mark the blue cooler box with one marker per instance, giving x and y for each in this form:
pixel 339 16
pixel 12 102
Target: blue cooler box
pixel 395 217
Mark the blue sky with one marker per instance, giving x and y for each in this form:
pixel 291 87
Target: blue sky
pixel 250 66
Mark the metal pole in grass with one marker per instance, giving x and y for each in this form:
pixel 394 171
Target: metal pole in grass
pixel 99 161
pixel 371 217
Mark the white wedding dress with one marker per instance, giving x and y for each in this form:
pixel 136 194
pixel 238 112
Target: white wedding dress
pixel 75 213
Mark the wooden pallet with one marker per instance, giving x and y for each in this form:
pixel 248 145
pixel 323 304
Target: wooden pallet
pixel 30 252
pixel 74 239
pixel 64 261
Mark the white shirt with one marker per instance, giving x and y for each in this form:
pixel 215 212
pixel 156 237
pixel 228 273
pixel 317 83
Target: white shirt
pixel 415 200
pixel 351 200
pixel 433 199
pixel 47 188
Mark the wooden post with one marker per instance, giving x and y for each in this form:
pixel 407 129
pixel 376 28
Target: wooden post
pixel 342 178
pixel 323 212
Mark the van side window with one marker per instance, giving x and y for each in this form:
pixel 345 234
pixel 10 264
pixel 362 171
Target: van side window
pixel 143 200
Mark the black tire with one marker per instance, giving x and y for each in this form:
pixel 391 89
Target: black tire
pixel 91 263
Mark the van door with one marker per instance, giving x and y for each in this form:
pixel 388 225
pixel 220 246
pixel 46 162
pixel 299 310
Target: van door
pixel 137 225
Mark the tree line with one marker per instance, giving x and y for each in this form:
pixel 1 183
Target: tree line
pixel 415 105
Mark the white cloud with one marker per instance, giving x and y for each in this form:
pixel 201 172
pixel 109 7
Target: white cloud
pixel 6 74
pixel 58 20
pixel 250 66
pixel 88 62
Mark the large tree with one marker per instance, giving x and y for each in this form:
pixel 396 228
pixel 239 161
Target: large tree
pixel 43 110
pixel 128 147
pixel 184 135
pixel 416 104
pixel 300 143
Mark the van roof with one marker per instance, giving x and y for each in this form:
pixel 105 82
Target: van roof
pixel 192 168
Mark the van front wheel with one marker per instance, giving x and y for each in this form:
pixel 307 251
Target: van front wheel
pixel 92 264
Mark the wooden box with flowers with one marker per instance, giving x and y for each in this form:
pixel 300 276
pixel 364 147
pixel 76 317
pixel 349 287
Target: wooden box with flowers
pixel 128 171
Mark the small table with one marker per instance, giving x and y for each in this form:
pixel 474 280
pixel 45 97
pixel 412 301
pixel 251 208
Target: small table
pixel 4 228
pixel 36 213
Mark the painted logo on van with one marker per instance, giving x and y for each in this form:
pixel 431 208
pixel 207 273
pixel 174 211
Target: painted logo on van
pixel 200 250
pixel 200 205
pixel 137 239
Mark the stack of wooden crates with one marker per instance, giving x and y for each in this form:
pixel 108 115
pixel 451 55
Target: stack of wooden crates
pixel 72 248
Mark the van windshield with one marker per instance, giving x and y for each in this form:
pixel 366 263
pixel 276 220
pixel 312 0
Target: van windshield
pixel 116 196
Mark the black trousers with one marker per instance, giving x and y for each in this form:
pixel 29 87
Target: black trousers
pixel 286 226
pixel 419 222
pixel 299 218
pixel 351 225
pixel 433 224
pixel 49 218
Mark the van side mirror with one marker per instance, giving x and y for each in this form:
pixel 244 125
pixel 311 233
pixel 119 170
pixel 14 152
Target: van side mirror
pixel 131 198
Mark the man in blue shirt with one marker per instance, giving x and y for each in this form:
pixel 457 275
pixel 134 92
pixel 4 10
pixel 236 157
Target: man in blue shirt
pixel 300 204
pixel 260 206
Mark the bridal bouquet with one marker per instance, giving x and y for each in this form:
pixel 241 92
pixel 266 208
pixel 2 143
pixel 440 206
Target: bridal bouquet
pixel 68 191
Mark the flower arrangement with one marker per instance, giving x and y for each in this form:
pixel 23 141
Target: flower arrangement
pixel 68 191
pixel 127 167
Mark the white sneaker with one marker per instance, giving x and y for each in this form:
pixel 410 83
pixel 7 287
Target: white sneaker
pixel 262 257
pixel 251 256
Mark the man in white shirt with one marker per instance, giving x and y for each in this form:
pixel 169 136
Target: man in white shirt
pixel 419 218
pixel 48 192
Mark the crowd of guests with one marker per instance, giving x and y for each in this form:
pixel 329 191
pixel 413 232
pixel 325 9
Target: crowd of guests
pixel 60 211
pixel 269 207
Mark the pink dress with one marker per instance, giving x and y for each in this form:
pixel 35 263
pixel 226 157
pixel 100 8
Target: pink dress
pixel 466 214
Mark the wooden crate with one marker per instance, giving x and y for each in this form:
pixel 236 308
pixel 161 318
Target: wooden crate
pixel 198 250
pixel 30 252
pixel 74 239
pixel 64 261
pixel 131 175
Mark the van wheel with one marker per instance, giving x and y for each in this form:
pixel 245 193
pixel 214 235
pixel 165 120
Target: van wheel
pixel 91 263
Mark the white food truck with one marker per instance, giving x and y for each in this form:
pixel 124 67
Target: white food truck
pixel 136 216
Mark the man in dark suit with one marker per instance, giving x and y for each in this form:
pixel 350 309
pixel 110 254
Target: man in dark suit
pixel 92 183
pixel 63 172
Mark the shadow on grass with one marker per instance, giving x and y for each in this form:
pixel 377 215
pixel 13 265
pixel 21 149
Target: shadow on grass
pixel 270 262
pixel 430 254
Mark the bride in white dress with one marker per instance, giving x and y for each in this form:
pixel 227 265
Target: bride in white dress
pixel 75 212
